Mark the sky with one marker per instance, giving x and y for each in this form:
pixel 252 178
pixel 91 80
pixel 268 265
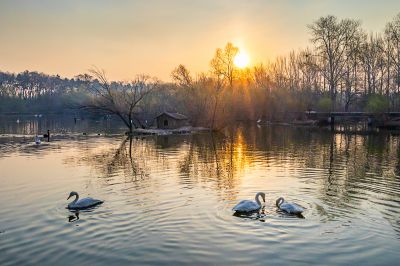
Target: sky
pixel 126 38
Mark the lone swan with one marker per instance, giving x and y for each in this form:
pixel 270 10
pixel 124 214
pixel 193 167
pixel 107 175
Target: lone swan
pixel 291 208
pixel 83 203
pixel 249 205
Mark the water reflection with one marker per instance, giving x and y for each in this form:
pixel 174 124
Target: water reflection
pixel 259 215
pixel 166 192
pixel 73 217
pixel 128 159
pixel 290 215
pixel 214 158
pixel 59 124
pixel 347 171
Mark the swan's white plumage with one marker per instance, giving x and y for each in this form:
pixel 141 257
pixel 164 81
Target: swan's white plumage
pixel 82 203
pixel 246 206
pixel 291 208
pixel 249 205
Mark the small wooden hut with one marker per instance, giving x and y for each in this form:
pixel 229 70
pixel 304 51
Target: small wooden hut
pixel 167 120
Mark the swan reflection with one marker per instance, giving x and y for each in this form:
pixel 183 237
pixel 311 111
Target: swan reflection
pixel 73 217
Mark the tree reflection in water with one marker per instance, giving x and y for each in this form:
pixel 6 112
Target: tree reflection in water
pixel 341 172
pixel 110 161
pixel 217 158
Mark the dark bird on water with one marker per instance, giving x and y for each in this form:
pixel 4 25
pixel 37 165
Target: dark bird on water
pixel 47 135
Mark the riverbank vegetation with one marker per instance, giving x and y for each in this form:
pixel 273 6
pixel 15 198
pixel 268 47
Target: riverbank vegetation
pixel 343 69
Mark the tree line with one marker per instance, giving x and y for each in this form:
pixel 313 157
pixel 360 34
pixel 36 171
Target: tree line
pixel 33 92
pixel 344 68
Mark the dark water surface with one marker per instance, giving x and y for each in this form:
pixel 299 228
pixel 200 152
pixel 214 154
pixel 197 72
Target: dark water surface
pixel 168 199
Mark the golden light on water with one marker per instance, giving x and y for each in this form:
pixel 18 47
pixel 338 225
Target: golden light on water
pixel 241 59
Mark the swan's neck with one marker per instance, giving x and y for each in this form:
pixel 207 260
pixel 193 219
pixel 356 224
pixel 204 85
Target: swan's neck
pixel 279 202
pixel 76 199
pixel 257 199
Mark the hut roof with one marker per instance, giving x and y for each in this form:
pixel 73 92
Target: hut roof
pixel 176 116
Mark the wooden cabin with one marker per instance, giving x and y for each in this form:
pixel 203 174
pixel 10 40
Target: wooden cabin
pixel 167 120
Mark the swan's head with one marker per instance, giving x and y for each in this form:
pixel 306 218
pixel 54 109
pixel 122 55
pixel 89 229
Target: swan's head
pixel 73 193
pixel 262 194
pixel 279 201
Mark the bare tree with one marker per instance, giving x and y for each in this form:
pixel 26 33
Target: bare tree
pixel 392 34
pixel 192 93
pixel 181 76
pixel 122 100
pixel 332 38
pixel 351 70
pixel 223 68
pixel 222 65
pixel 263 82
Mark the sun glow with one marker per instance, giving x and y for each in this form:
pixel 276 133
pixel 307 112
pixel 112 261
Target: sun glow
pixel 241 59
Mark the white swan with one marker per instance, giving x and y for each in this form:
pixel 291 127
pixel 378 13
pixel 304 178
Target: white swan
pixel 291 208
pixel 249 205
pixel 83 203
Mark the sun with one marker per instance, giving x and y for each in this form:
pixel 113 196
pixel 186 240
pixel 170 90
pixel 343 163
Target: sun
pixel 241 60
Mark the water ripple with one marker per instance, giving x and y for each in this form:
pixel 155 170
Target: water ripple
pixel 169 199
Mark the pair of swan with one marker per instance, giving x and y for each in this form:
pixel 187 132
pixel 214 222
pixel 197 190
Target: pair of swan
pixel 79 204
pixel 251 206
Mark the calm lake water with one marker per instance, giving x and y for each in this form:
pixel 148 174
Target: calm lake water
pixel 168 199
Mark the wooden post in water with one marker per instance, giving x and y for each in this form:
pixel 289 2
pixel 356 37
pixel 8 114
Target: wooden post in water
pixel 369 121
pixel 332 122
pixel 47 135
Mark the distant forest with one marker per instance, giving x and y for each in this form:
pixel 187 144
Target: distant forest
pixel 33 92
pixel 343 69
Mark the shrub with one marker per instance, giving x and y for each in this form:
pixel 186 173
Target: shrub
pixel 377 104
pixel 325 104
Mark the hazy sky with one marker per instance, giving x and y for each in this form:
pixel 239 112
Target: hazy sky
pixel 131 37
